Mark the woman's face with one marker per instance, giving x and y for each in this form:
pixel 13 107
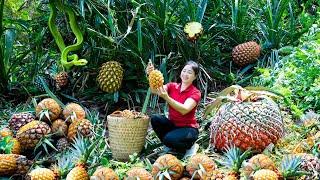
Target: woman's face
pixel 187 74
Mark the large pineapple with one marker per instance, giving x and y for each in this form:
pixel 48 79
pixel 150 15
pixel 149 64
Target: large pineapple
pixel 249 119
pixel 138 173
pixel 155 79
pixel 73 111
pixel 265 174
pixel 200 166
pixel 59 128
pixel 246 53
pixel 259 161
pixel 41 174
pixel 82 126
pixel 18 120
pixel 110 76
pixel 13 164
pixel 104 173
pixel 48 109
pixel 193 30
pixel 167 165
pixel 30 134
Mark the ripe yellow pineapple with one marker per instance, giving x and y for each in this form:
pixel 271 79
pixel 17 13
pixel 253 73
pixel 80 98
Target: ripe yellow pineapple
pixel 13 164
pixel 193 30
pixel 104 173
pixel 138 173
pixel 30 134
pixel 259 161
pixel 78 173
pixel 59 128
pixel 5 132
pixel 165 164
pixel 18 120
pixel 81 126
pixel 265 174
pixel 61 79
pixel 48 109
pixel 200 166
pixel 155 79
pixel 41 174
pixel 246 53
pixel 248 119
pixel 73 111
pixel 16 148
pixel 110 76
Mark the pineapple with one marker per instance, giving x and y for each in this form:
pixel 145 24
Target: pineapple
pixel 63 165
pixel 246 53
pixel 18 120
pixel 265 174
pixel 167 165
pixel 104 173
pixel 200 166
pixel 48 109
pixel 259 161
pixel 310 164
pixel 30 134
pixel 110 76
pixel 82 126
pixel 138 173
pixel 13 164
pixel 184 178
pixel 41 174
pixel 5 132
pixel 61 79
pixel 217 175
pixel 193 30
pixel 73 111
pixel 248 120
pixel 16 148
pixel 155 79
pixel 62 144
pixel 59 128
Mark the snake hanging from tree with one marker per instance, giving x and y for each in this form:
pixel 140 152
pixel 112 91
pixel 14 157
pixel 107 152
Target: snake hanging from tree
pixel 66 60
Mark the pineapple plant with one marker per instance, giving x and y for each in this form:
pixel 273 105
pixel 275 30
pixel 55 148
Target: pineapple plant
pixel 167 167
pixel 110 76
pixel 30 134
pixel 82 126
pixel 104 173
pixel 200 166
pixel 138 173
pixel 249 119
pixel 41 174
pixel 14 164
pixel 73 111
pixel 246 53
pixel 193 30
pixel 48 109
pixel 62 144
pixel 59 128
pixel 265 174
pixel 156 79
pixel 290 167
pixel 259 161
pixel 4 132
pixel 18 120
pixel 61 79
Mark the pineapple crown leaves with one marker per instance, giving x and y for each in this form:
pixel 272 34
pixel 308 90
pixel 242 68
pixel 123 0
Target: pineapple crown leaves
pixel 199 171
pixel 63 165
pixel 316 150
pixel 44 142
pixel 236 93
pixel 234 157
pixel 6 144
pixel 290 167
pixel 161 175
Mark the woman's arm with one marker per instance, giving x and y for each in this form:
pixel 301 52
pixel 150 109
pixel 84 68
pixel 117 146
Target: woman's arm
pixel 184 108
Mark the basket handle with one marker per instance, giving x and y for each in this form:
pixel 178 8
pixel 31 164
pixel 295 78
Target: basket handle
pixel 116 113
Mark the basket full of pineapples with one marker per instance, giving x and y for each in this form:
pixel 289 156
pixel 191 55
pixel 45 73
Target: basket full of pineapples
pixel 127 133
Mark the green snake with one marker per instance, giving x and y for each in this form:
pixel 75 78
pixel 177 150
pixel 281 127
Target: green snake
pixel 66 60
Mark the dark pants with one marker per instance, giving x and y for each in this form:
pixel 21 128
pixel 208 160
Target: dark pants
pixel 177 138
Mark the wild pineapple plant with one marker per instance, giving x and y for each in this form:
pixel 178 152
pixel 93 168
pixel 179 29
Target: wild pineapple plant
pixel 249 119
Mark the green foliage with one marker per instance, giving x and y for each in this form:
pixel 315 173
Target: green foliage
pixel 296 75
pixel 6 145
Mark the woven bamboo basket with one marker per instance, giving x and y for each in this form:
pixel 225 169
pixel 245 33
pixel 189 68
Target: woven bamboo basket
pixel 126 135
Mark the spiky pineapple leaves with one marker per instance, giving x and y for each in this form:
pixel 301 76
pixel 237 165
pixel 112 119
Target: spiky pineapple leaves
pixel 236 93
pixel 290 167
pixel 6 144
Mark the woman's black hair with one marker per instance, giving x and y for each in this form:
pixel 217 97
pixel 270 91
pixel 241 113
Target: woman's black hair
pixel 195 67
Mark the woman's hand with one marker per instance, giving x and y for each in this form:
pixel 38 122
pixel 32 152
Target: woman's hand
pixel 149 68
pixel 162 92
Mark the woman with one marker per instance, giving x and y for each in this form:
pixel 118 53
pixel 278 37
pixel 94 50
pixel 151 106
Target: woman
pixel 180 130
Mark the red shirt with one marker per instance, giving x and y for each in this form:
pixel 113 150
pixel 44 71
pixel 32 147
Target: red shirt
pixel 189 119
